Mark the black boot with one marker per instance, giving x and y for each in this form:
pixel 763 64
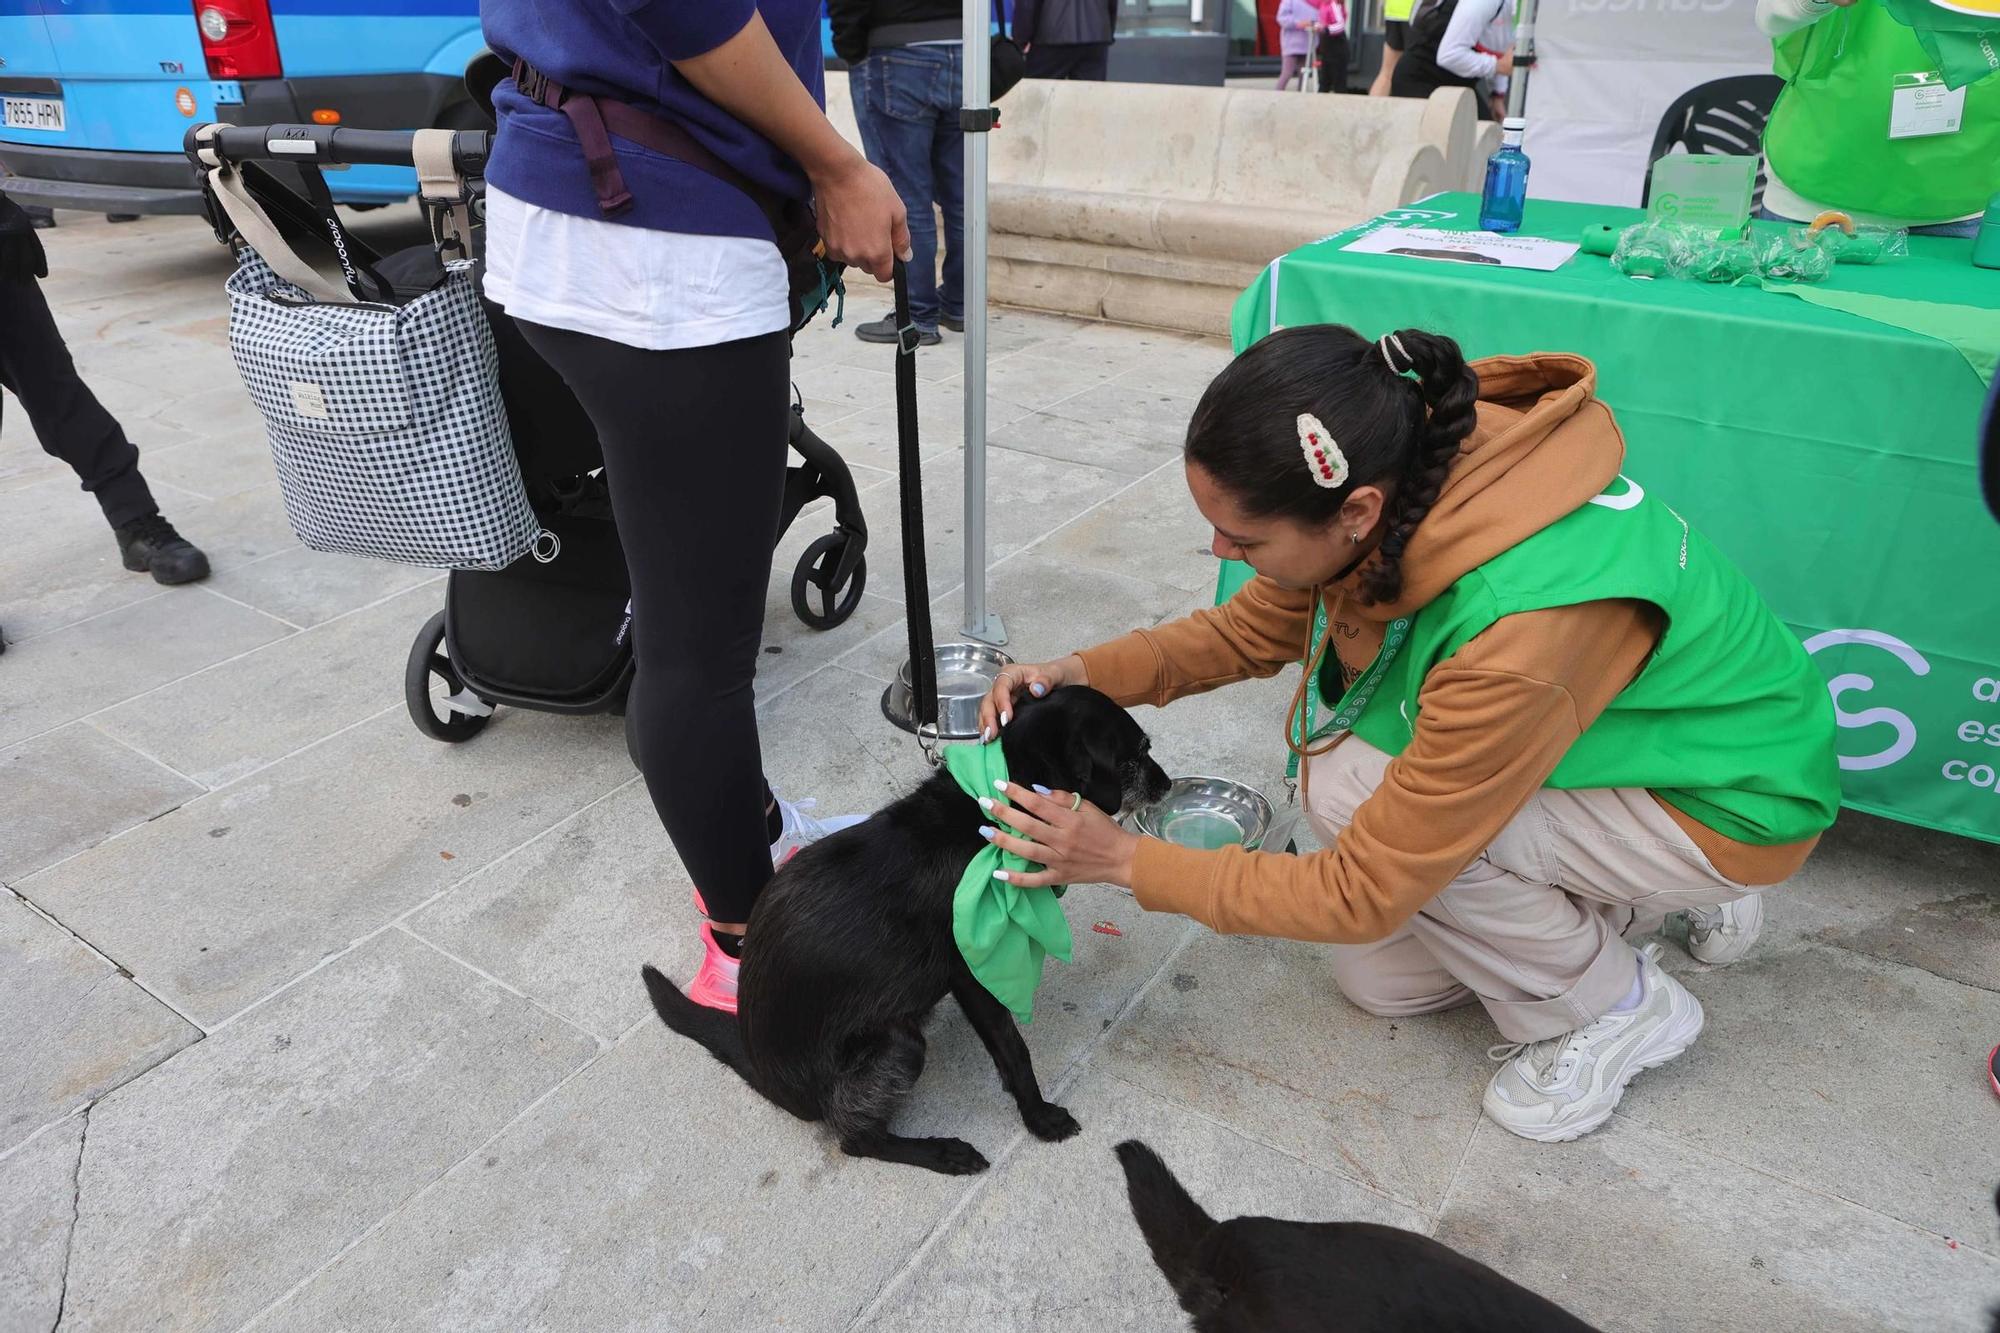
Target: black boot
pixel 152 544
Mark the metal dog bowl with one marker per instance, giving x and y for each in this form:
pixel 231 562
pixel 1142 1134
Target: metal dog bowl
pixel 965 675
pixel 1206 813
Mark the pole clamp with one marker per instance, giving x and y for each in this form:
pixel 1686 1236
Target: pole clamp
pixel 979 120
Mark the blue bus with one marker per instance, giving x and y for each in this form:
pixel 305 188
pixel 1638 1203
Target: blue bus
pixel 97 94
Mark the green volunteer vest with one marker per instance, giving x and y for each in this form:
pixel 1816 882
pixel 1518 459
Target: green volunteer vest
pixel 1729 722
pixel 1828 137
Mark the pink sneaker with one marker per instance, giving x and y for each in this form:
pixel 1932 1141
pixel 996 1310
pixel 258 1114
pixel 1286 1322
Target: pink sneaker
pixel 715 984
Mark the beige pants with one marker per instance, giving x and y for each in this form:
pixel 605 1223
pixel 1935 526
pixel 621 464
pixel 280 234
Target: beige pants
pixel 1532 929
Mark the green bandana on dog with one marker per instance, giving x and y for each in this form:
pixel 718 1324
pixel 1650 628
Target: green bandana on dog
pixel 1002 930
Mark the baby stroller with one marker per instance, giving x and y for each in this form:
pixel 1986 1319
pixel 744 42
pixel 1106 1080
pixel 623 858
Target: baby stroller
pixel 550 631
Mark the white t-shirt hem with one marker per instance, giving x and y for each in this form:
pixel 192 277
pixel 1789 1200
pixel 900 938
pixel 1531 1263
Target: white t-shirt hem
pixel 655 290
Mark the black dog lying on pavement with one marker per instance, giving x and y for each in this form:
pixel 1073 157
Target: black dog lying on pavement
pixel 1261 1275
pixel 850 946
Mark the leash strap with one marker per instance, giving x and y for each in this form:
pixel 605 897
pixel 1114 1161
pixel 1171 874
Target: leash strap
pixel 916 579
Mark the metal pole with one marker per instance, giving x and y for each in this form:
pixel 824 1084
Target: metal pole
pixel 1524 58
pixel 980 622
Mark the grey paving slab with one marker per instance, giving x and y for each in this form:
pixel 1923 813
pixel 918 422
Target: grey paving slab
pixel 37 1209
pixel 54 583
pixel 827 739
pixel 225 722
pixel 1113 348
pixel 213 1186
pixel 1388 1103
pixel 1038 382
pixel 1099 446
pixel 230 453
pixel 72 788
pixel 867 437
pixel 1152 531
pixel 1183 369
pixel 233 895
pixel 568 920
pixel 1643 1233
pixel 88 1029
pixel 1027 498
pixel 1050 608
pixel 792 649
pixel 1900 893
pixel 238 529
pixel 1049 1243
pixel 309 588
pixel 1860 1077
pixel 1147 413
pixel 652 1191
pixel 55 678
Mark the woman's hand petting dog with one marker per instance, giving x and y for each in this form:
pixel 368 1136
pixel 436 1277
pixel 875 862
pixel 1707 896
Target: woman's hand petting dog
pixel 1073 846
pixel 996 710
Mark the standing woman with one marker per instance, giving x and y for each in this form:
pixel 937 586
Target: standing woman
pixel 1453 44
pixel 1538 709
pixel 657 289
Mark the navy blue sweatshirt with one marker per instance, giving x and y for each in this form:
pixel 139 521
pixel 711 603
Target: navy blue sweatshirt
pixel 623 49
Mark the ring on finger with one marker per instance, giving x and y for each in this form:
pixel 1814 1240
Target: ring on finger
pixel 1076 802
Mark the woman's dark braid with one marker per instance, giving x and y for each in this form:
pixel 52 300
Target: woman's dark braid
pixel 1451 391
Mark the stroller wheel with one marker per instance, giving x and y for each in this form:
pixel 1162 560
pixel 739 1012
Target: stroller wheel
pixel 817 598
pixel 427 659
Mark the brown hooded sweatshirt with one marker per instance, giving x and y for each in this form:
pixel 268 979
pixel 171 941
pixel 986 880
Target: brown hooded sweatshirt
pixel 1496 717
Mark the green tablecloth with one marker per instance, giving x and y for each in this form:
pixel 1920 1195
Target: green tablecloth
pixel 1832 456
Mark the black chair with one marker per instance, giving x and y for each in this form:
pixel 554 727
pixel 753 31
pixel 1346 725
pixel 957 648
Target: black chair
pixel 1720 116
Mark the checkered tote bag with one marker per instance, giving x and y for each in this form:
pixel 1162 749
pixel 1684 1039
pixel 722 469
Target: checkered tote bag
pixel 385 421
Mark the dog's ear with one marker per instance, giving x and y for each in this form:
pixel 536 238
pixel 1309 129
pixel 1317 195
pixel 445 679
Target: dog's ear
pixel 1093 761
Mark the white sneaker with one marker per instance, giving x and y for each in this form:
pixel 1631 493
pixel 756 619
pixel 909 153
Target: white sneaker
pixel 801 829
pixel 1719 936
pixel 1561 1088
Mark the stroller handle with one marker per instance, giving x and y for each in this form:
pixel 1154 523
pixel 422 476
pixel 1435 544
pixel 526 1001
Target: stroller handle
pixel 331 145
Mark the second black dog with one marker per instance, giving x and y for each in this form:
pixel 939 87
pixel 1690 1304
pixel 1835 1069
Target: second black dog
pixel 1261 1275
pixel 849 947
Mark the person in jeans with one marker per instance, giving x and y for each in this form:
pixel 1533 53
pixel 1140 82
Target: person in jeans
pixel 1066 39
pixel 906 72
pixel 668 314
pixel 1540 712
pixel 35 366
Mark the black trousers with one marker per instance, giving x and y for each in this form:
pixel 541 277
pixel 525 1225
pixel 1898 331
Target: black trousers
pixel 1333 62
pixel 71 424
pixel 1082 60
pixel 694 448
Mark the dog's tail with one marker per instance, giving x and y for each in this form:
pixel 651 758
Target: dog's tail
pixel 711 1027
pixel 1172 1222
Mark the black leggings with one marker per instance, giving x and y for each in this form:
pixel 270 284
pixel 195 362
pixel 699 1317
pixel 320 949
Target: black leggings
pixel 694 448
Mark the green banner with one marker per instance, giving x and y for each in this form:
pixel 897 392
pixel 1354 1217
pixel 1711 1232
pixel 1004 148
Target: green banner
pixel 1831 456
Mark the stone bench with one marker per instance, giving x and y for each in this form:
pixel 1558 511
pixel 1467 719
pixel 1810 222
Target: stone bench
pixel 1155 204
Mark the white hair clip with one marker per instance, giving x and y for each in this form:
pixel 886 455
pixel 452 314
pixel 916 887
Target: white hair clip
pixel 1323 457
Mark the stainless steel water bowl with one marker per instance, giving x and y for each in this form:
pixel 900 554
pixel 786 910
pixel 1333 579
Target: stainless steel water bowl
pixel 965 673
pixel 1207 813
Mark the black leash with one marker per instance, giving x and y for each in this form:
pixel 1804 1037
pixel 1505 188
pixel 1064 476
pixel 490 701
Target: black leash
pixel 916 579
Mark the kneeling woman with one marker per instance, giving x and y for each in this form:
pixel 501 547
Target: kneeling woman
pixel 1538 708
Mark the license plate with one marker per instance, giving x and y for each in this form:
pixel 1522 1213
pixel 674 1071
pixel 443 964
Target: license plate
pixel 35 113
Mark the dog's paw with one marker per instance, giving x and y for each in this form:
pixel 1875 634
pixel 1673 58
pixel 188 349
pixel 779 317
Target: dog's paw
pixel 956 1157
pixel 1050 1123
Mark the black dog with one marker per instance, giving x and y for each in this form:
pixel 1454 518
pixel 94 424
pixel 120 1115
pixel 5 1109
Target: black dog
pixel 1257 1273
pixel 849 947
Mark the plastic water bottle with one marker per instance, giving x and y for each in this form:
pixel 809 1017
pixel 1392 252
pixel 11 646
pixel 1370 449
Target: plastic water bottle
pixel 1506 190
